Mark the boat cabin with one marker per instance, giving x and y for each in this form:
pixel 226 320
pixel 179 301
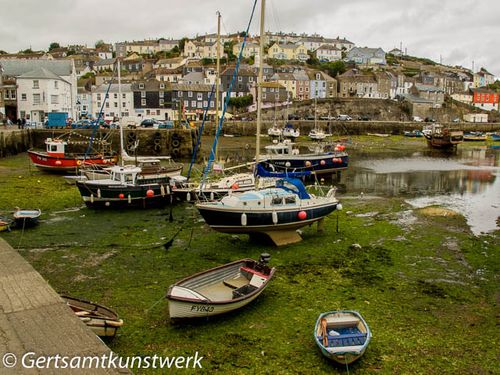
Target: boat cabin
pixel 125 175
pixel 282 148
pixel 55 147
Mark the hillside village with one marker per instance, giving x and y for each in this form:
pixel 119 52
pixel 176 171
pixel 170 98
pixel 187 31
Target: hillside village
pixel 165 78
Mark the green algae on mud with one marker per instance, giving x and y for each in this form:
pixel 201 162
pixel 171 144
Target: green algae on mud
pixel 426 286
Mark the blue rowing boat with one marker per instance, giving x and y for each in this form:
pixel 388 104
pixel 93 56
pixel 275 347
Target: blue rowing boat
pixel 342 336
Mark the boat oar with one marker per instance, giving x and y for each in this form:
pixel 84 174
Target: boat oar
pixel 169 243
pixel 323 332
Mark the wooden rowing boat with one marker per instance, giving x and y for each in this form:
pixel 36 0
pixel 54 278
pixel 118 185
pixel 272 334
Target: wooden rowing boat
pixel 26 218
pixel 219 290
pixel 342 336
pixel 101 320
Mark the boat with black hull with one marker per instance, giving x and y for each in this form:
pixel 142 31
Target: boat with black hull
pixel 442 137
pixel 124 188
pixel 324 158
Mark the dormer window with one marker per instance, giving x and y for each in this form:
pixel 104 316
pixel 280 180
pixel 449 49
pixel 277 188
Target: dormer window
pixel 162 85
pixel 141 85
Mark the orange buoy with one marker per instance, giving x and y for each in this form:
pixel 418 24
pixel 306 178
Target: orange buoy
pixel 302 215
pixel 150 193
pixel 121 195
pixel 308 164
pixel 235 186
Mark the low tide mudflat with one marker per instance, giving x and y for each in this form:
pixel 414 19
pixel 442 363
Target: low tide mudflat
pixel 427 286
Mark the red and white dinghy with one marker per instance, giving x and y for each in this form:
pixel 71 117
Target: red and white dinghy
pixel 219 290
pixel 55 157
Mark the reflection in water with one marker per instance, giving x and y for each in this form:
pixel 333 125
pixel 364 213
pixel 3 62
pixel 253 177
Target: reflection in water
pixel 466 182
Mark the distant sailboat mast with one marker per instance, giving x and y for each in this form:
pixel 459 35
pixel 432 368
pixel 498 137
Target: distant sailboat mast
pixel 120 122
pixel 260 81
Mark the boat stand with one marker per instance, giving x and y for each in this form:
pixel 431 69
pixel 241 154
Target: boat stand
pixel 278 238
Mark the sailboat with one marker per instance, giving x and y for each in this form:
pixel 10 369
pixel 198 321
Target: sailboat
pixel 275 131
pixel 126 185
pixel 316 134
pixel 274 212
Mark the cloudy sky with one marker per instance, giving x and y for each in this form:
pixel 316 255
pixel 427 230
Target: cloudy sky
pixel 456 31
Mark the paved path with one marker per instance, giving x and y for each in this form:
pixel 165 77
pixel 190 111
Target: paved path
pixel 33 318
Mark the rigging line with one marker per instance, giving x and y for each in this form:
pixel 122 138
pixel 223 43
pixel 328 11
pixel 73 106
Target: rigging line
pixel 226 101
pixel 96 124
pixel 275 16
pixel 200 132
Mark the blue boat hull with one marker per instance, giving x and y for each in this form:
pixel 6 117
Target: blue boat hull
pixel 316 164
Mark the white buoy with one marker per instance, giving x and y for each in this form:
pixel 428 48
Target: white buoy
pixel 91 198
pixel 129 199
pixel 212 197
pixel 188 197
pixel 168 189
pixel 275 217
pixel 287 164
pixel 98 193
pixel 106 204
pixel 162 190
pixel 339 206
pixel 244 219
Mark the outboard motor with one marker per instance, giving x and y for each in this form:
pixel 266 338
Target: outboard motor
pixel 264 259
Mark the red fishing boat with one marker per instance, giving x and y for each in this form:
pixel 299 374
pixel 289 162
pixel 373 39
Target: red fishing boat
pixel 55 158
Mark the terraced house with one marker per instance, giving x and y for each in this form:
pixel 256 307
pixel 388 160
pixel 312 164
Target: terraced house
pixel 192 99
pixel 153 99
pixel 288 52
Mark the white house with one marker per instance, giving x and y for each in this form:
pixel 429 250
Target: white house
pixel 40 92
pixel 83 103
pixel 110 104
pixel 328 53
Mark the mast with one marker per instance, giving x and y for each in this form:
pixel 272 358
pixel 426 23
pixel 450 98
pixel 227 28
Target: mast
pixel 122 148
pixel 315 113
pixel 217 74
pixel 259 81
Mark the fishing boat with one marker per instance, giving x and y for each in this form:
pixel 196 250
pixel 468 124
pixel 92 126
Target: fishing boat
pixel 270 212
pixel 342 336
pixel 126 188
pixel 26 218
pixel 274 131
pixel 57 159
pixel 4 224
pixel 101 320
pixel 219 290
pixel 290 132
pixel 443 138
pixel 324 158
pixel 474 137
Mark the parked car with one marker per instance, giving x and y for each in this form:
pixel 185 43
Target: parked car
pixel 344 118
pixel 364 118
pixel 429 119
pixel 456 119
pixel 418 119
pixel 149 123
pixel 310 117
pixel 293 117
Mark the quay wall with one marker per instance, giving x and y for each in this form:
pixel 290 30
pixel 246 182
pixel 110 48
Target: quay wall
pixel 179 143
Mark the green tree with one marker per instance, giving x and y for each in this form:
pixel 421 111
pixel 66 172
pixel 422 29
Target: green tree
pixel 54 45
pixel 182 43
pixel 333 68
pixel 2 52
pixel 241 101
pixel 99 43
pixel 26 51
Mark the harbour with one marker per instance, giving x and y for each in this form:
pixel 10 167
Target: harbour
pixel 405 250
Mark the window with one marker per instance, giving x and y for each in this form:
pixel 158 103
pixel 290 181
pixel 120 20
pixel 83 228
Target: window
pixel 54 99
pixel 250 79
pixel 148 112
pixel 179 94
pixel 158 112
pixel 116 104
pixel 162 102
pixel 141 85
pixel 162 94
pixel 36 84
pixel 23 97
pixel 193 103
pixel 205 104
pixel 190 94
pixel 36 98
pixel 200 105
pixel 186 103
pixel 22 114
pixel 123 105
pixel 98 96
pixel 143 94
pixel 199 96
pixel 115 95
pixel 99 104
pixel 107 104
pixel 56 84
pixel 240 79
pixel 162 85
pixel 143 102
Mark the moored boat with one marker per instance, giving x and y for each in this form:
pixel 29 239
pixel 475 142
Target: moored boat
pixel 125 189
pixel 342 336
pixel 26 218
pixel 324 158
pixel 56 159
pixel 495 137
pixel 474 137
pixel 271 211
pixel 442 137
pixel 4 224
pixel 220 289
pixel 290 132
pixel 413 133
pixel 100 319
